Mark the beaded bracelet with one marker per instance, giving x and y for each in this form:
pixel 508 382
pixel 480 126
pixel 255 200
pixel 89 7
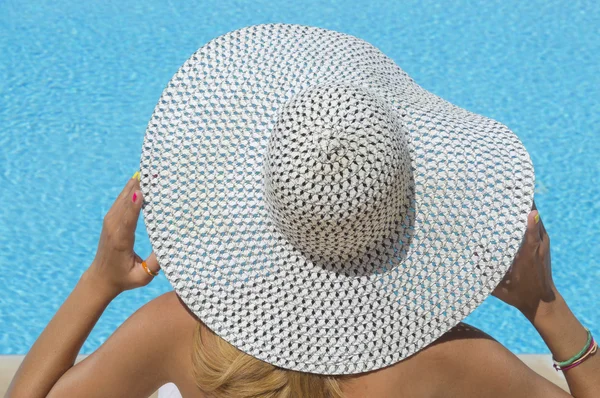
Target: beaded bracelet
pixel 588 349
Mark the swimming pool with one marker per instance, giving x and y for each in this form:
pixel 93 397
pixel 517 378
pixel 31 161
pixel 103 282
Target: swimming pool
pixel 79 81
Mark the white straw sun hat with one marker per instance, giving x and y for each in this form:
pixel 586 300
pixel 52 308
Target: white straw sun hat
pixel 320 211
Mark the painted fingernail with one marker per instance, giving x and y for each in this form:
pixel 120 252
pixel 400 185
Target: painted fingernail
pixel 137 175
pixel 133 199
pixel 537 218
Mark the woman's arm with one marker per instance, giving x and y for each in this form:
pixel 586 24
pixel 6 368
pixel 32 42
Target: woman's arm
pixel 529 287
pixel 565 336
pixel 56 349
pixel 151 348
pixel 115 268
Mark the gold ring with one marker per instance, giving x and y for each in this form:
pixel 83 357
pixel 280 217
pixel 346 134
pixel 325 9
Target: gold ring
pixel 148 270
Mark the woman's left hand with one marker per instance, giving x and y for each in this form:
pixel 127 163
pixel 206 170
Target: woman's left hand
pixel 116 266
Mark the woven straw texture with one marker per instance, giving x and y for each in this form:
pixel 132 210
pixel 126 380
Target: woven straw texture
pixel 320 211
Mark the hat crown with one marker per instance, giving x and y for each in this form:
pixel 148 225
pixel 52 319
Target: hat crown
pixel 337 171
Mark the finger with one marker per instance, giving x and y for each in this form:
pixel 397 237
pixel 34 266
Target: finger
pixel 532 235
pixel 152 263
pixel 133 205
pixel 543 232
pixel 148 267
pixel 118 207
pixel 132 184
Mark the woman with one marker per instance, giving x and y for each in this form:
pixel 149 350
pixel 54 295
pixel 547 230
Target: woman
pixel 376 150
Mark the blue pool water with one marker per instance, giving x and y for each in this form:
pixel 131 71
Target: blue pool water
pixel 79 81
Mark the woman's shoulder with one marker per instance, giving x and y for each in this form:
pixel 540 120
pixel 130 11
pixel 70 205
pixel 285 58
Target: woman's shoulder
pixel 172 319
pixel 175 323
pixel 467 362
pixel 431 372
pixel 175 318
pixel 464 362
pixel 169 304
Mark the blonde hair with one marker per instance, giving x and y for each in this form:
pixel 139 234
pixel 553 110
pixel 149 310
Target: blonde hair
pixel 223 371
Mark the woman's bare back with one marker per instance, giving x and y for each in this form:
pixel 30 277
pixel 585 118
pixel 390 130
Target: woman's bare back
pixel 462 363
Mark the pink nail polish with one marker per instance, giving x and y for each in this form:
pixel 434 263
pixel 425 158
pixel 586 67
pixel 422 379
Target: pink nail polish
pixel 134 197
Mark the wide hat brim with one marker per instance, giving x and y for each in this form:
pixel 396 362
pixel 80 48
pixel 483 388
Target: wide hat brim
pixel 204 211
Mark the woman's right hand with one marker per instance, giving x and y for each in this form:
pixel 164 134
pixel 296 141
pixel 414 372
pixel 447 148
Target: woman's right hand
pixel 528 285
